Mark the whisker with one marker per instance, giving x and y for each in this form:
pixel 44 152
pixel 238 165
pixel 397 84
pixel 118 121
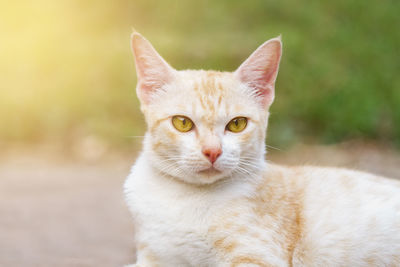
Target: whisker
pixel 274 147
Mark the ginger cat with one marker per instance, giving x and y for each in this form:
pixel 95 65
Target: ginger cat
pixel 202 194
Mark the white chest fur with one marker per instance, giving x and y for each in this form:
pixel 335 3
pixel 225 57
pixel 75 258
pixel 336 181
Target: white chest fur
pixel 173 217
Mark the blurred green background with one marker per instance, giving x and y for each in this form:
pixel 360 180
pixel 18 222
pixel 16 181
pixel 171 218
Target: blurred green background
pixel 66 70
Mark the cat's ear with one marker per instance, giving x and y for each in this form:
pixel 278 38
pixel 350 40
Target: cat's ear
pixel 152 70
pixel 260 70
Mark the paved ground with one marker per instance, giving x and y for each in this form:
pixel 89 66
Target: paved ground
pixel 70 212
pixel 63 212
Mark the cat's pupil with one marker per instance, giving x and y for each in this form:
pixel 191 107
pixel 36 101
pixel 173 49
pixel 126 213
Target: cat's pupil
pixel 236 122
pixel 184 121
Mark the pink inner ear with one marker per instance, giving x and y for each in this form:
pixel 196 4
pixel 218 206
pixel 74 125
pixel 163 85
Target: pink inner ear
pixel 260 70
pixel 152 70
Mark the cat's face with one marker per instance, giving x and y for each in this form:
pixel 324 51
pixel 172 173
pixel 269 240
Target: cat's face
pixel 210 100
pixel 206 125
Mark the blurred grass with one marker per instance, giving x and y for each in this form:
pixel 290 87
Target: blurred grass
pixel 67 71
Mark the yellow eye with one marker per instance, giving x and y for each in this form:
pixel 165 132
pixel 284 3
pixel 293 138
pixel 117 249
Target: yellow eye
pixel 237 124
pixel 182 123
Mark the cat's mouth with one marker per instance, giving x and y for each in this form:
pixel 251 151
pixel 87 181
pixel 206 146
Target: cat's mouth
pixel 210 171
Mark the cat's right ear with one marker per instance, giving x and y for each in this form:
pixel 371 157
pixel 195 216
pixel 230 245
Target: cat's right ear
pixel 259 71
pixel 152 70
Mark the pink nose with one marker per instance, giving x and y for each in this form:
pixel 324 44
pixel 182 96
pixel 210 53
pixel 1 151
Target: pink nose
pixel 212 153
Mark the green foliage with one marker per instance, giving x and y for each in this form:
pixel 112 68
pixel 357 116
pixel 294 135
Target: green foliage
pixel 68 69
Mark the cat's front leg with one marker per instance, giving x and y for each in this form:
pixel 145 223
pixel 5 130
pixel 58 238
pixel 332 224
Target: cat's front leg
pixel 145 258
pixel 138 265
pixel 141 264
pixel 236 245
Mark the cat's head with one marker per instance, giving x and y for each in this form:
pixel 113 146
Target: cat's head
pixel 206 125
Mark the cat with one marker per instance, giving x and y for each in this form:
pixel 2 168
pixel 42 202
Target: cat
pixel 202 194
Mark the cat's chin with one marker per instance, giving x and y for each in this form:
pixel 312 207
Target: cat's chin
pixel 204 177
pixel 210 172
pixel 209 176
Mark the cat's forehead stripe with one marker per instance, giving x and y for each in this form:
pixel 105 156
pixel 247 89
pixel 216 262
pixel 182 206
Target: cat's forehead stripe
pixel 210 93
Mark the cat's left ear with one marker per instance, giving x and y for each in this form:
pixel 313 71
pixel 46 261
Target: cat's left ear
pixel 260 70
pixel 152 70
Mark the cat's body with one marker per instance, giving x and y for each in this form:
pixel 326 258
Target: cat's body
pixel 204 196
pixel 302 216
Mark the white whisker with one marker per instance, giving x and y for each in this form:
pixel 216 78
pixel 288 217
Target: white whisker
pixel 274 147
